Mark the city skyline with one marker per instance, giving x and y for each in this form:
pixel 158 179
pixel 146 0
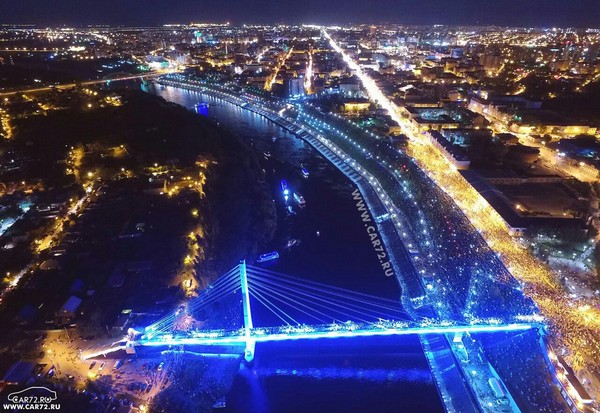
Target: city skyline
pixel 536 13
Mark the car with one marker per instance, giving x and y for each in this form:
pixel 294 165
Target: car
pixel 23 395
pixel 101 366
pixel 92 365
pixel 161 365
pixel 71 377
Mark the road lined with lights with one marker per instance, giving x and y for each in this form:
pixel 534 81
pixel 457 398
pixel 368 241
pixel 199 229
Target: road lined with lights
pixel 6 129
pixel 51 237
pixel 273 76
pixel 580 171
pixel 309 73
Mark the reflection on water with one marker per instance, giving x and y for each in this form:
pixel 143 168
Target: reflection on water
pixel 384 374
pixel 249 395
pixel 345 373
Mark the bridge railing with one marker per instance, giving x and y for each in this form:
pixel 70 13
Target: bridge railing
pixel 380 328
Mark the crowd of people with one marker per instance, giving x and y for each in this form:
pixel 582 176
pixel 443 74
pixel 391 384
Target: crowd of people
pixel 470 279
pixel 520 362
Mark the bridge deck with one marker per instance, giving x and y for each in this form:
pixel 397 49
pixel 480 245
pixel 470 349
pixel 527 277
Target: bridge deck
pixel 258 335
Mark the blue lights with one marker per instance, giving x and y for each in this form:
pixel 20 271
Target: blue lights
pixel 284 188
pixel 236 339
pixel 202 108
pixel 282 294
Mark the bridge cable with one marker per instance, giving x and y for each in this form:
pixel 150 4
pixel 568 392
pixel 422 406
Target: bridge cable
pixel 337 293
pixel 332 302
pixel 317 285
pixel 272 306
pixel 286 299
pixel 224 282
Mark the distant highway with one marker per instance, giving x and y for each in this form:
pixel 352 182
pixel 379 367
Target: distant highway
pixel 24 50
pixel 64 86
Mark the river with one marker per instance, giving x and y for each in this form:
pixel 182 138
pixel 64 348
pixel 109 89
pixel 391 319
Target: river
pixel 388 374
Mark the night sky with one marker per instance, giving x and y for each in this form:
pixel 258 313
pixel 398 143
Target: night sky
pixel 548 13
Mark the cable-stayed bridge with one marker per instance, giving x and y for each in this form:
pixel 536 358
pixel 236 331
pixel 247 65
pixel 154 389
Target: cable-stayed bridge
pixel 291 309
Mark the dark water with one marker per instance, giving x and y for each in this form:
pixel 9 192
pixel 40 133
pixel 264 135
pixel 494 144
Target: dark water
pixel 331 375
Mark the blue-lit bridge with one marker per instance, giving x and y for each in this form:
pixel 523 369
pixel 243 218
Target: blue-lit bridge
pixel 301 309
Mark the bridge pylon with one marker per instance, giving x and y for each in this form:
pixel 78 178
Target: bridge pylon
pixel 250 343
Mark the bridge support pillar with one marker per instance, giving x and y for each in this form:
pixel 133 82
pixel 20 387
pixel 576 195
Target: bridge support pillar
pixel 250 343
